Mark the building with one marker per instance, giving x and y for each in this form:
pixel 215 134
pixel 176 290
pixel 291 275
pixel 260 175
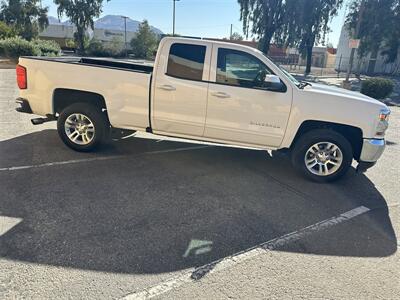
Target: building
pixel 322 57
pixel 367 65
pixel 108 36
pixel 62 33
pixel 59 33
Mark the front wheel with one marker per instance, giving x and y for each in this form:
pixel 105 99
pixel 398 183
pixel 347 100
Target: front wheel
pixel 82 126
pixel 322 155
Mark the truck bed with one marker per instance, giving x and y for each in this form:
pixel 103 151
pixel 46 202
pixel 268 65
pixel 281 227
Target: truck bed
pixel 124 86
pixel 100 62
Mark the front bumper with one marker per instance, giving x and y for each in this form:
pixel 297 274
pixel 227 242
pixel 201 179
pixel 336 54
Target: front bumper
pixel 371 151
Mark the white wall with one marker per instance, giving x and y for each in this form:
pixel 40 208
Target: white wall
pixel 362 65
pixel 58 31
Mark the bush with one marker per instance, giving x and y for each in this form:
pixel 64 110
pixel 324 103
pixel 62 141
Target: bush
pixel 16 47
pixel 95 48
pixel 113 49
pixel 70 43
pixel 47 48
pixel 377 88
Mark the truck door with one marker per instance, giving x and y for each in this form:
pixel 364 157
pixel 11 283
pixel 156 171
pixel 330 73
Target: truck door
pixel 240 109
pixel 181 87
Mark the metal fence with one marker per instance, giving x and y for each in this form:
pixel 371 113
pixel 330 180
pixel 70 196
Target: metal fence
pixel 338 67
pixel 297 66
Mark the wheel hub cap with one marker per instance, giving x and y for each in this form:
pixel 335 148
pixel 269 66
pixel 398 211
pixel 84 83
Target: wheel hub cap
pixel 79 129
pixel 323 158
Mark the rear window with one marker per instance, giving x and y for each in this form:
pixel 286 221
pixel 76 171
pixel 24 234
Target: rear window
pixel 186 61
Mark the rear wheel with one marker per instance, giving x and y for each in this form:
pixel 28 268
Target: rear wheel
pixel 322 155
pixel 82 126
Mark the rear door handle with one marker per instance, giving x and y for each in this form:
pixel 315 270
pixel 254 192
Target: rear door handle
pixel 167 87
pixel 221 95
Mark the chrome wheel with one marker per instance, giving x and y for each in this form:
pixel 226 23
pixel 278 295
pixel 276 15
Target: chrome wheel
pixel 79 129
pixel 323 158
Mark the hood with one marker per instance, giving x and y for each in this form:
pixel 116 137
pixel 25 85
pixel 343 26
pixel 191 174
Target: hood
pixel 339 92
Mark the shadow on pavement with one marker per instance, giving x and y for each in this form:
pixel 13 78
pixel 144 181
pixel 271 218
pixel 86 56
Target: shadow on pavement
pixel 169 211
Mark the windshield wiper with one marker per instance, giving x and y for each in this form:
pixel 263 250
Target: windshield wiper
pixel 303 84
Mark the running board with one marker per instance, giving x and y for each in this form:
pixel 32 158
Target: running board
pixel 39 121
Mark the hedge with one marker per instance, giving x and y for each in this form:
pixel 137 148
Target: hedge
pixel 15 47
pixel 377 88
pixel 47 48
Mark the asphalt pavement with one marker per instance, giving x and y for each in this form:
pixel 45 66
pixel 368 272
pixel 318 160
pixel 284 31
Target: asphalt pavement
pixel 158 218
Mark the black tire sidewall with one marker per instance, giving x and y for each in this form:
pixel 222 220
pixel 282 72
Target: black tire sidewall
pixel 94 114
pixel 316 136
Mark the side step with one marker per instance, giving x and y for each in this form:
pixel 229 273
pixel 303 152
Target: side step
pixel 38 121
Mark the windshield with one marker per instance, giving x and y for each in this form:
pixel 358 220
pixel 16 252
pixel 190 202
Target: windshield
pixel 289 76
pixel 286 73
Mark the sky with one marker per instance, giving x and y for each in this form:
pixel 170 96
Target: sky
pixel 201 18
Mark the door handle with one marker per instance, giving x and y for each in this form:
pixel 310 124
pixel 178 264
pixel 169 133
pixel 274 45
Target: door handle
pixel 167 87
pixel 221 95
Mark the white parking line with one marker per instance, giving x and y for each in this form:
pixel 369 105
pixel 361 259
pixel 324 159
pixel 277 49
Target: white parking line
pixel 197 273
pixel 6 223
pixel 101 158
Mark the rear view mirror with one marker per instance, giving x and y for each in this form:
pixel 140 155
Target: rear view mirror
pixel 273 83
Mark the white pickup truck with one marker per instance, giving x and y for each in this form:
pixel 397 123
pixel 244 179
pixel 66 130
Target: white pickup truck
pixel 207 91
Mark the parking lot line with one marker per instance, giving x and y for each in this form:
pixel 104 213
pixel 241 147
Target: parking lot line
pixel 101 158
pixel 229 261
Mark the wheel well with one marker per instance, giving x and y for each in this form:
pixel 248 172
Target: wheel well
pixel 65 97
pixel 352 134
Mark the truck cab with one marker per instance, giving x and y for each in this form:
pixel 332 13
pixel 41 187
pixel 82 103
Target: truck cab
pixel 218 91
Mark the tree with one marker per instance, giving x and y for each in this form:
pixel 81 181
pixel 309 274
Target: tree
pixel 392 42
pixel 236 37
pixel 26 17
pixel 262 18
pixel 306 24
pixel 81 13
pixel 6 31
pixel 145 42
pixel 376 30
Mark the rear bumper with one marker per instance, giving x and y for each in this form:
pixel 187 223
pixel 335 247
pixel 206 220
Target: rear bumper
pixel 24 106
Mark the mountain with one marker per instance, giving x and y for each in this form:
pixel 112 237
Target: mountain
pixel 115 22
pixel 110 22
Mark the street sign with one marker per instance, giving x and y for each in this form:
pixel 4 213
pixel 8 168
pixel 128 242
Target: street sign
pixel 354 44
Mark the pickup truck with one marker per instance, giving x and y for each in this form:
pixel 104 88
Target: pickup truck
pixel 209 91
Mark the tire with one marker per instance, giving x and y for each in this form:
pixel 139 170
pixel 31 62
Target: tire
pixel 82 127
pixel 322 155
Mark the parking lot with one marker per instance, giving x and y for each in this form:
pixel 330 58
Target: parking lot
pixel 142 218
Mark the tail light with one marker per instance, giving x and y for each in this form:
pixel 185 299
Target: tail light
pixel 21 77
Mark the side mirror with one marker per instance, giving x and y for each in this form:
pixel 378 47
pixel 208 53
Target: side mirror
pixel 273 83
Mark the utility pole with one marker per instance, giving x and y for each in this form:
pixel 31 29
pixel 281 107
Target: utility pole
pixel 230 36
pixel 173 18
pixel 126 46
pixel 356 35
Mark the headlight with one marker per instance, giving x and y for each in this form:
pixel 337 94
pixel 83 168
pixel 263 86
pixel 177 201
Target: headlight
pixel 383 123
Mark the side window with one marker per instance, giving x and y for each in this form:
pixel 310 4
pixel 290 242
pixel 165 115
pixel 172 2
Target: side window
pixel 186 61
pixel 240 68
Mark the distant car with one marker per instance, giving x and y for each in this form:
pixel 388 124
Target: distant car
pixel 209 91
